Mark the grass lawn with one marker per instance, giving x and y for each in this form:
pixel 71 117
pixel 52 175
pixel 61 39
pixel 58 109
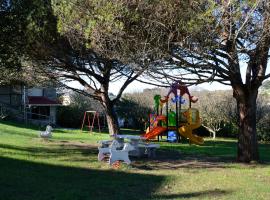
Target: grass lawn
pixel 65 167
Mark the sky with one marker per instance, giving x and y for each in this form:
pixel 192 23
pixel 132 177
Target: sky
pixel 139 87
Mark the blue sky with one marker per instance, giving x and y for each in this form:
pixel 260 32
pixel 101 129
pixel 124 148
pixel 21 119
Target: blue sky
pixel 138 87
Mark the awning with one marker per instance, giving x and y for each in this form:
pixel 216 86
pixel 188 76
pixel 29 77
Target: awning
pixel 42 101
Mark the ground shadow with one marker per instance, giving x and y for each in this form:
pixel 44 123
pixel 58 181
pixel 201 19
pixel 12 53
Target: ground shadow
pixel 124 131
pixel 56 149
pixel 213 154
pixel 173 160
pixel 201 194
pixel 22 125
pixel 28 180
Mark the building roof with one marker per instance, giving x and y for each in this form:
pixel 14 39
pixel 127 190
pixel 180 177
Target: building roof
pixel 42 101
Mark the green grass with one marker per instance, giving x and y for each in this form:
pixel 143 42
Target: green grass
pixel 65 167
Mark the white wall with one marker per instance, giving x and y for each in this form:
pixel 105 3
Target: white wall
pixel 36 92
pixel 53 113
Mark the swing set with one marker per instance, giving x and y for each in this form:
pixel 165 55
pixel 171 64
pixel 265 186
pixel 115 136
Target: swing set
pixel 87 116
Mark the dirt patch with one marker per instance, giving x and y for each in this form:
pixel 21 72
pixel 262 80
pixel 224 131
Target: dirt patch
pixel 173 160
pixel 76 144
pixel 177 164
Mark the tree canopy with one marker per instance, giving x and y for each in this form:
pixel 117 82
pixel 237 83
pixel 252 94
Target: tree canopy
pixel 99 42
pixel 228 42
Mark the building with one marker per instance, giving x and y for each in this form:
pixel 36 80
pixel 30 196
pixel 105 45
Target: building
pixel 36 105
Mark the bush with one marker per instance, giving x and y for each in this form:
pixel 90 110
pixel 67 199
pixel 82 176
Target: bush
pixel 72 116
pixel 263 128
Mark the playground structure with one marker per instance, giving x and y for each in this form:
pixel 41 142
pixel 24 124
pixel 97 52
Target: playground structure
pixel 182 121
pixel 87 116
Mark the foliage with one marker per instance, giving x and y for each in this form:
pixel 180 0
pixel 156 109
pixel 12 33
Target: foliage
pixel 266 87
pixel 263 117
pixel 133 107
pixel 22 24
pixel 128 31
pixel 214 109
pixel 99 42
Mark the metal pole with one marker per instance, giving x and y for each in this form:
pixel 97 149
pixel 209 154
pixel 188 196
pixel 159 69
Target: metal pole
pixel 24 104
pixel 167 120
pixel 180 117
pixel 177 123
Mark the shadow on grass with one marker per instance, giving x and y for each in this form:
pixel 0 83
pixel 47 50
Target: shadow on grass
pixel 173 160
pixel 213 154
pixel 31 181
pixel 130 132
pixel 20 129
pixel 22 125
pixel 56 149
pixel 78 130
pixel 202 194
pixel 28 180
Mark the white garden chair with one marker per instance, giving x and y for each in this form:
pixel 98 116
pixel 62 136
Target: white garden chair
pixel 105 148
pixel 122 154
pixel 47 133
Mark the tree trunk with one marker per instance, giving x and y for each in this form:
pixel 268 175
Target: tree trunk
pixel 110 114
pixel 247 137
pixel 112 120
pixel 211 131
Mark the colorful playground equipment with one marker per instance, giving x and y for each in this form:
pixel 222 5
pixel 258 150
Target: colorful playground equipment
pixel 182 121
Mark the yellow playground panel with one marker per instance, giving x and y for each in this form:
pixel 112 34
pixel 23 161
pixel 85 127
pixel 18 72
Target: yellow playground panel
pixel 193 122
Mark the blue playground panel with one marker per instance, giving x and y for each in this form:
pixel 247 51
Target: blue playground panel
pixel 172 136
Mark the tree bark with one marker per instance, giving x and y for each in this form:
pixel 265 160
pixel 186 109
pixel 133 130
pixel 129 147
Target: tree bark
pixel 247 137
pixel 110 113
pixel 112 120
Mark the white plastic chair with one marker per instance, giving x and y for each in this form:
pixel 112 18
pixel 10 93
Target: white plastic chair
pixel 47 133
pixel 120 154
pixel 105 149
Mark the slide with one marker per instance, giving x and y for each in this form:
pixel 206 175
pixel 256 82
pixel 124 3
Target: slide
pixel 154 132
pixel 186 131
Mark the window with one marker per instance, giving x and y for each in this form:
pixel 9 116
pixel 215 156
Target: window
pixel 40 112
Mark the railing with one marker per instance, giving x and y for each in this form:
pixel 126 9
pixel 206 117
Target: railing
pixel 26 116
pixel 9 110
pixel 39 118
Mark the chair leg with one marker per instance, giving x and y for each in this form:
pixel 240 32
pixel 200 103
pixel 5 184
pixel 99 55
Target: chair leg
pixel 112 159
pixel 126 159
pixel 100 156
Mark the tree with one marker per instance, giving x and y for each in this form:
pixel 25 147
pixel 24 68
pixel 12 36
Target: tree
pixel 22 23
pixel 91 42
pixel 222 39
pixel 101 42
pixel 9 35
pixel 214 110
